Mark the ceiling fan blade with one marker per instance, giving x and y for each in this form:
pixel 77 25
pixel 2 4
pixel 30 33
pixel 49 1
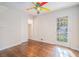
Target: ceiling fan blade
pixel 43 3
pixel 36 4
pixel 39 2
pixel 45 9
pixel 30 8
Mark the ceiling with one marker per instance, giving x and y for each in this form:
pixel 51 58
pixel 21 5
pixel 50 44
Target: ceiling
pixel 25 5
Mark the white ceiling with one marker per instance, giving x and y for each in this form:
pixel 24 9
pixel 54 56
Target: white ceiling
pixel 25 5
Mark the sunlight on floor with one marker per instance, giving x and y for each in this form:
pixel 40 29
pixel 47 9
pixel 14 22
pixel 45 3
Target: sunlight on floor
pixel 64 53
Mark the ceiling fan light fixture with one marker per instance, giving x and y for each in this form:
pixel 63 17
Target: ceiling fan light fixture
pixel 38 8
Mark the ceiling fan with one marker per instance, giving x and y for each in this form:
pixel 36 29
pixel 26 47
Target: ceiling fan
pixel 38 6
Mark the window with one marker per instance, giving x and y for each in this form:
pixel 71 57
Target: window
pixel 62 29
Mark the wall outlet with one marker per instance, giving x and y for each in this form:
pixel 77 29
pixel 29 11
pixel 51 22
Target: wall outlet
pixel 41 38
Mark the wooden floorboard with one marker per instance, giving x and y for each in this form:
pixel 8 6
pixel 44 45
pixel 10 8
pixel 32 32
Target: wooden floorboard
pixel 38 49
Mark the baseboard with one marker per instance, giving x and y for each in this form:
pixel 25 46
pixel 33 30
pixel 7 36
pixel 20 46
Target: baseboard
pixel 11 46
pixel 74 49
pixel 42 41
pixel 57 44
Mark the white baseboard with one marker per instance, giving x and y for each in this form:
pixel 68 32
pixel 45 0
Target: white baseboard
pixel 75 48
pixel 58 44
pixel 10 46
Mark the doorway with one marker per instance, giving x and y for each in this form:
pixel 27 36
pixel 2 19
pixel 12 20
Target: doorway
pixel 30 29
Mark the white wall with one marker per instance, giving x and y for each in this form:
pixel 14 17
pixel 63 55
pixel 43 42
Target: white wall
pixel 45 27
pixel 13 28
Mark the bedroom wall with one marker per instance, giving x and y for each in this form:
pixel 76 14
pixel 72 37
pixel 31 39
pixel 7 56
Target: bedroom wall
pixel 13 28
pixel 45 27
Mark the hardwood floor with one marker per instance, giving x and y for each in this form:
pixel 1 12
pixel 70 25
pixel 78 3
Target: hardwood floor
pixel 38 49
